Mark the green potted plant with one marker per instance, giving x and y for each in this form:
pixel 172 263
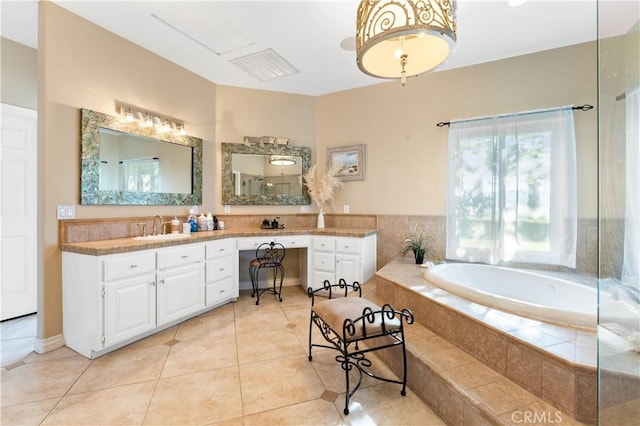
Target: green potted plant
pixel 419 243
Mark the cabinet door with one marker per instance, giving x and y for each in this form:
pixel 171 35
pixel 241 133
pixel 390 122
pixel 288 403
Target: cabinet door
pixel 320 276
pixel 129 308
pixel 180 292
pixel 348 267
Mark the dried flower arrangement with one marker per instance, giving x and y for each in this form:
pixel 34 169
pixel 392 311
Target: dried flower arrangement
pixel 322 188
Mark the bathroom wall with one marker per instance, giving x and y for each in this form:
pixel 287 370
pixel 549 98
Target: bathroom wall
pixel 82 65
pixel 406 156
pixel 18 74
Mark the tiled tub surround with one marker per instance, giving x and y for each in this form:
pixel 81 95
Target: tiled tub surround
pixel 393 229
pixel 515 363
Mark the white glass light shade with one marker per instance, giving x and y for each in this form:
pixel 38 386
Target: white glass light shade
pixel 423 32
pixel 282 160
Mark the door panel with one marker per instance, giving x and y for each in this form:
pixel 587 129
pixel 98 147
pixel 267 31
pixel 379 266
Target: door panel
pixel 18 207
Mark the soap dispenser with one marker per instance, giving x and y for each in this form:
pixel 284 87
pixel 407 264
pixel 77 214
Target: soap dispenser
pixel 202 222
pixel 175 225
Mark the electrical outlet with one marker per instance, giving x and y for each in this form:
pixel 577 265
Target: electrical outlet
pixel 227 208
pixel 345 208
pixel 304 209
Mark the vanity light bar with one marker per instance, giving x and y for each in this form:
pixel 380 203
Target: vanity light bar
pixel 266 140
pixel 148 120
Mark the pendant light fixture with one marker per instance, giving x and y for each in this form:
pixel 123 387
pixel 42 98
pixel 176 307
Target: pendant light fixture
pixel 282 160
pixel 400 38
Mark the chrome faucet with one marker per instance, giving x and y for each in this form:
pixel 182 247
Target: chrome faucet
pixel 632 292
pixel 155 222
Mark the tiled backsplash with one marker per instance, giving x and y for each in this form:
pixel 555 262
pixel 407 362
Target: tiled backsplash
pixel 392 230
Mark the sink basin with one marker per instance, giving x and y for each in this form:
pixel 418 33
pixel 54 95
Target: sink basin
pixel 162 237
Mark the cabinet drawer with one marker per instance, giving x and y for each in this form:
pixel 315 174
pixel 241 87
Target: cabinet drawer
pixel 293 242
pixel 219 268
pixel 185 255
pixel 252 243
pixel 324 244
pixel 348 245
pixel 129 265
pixel 324 262
pixel 219 248
pixel 219 291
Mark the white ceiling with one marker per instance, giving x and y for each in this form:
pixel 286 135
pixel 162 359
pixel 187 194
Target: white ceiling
pixel 308 33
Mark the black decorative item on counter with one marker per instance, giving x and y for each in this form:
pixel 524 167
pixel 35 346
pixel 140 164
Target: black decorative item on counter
pixel 274 224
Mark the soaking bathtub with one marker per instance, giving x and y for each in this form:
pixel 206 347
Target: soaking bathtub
pixel 526 293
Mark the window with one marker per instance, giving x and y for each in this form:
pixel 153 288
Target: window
pixel 140 175
pixel 512 189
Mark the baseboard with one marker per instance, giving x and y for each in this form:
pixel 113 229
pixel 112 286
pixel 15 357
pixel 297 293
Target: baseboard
pixel 42 346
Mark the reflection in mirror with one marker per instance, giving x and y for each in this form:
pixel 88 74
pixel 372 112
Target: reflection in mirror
pixel 124 163
pixel 140 164
pixel 264 174
pixel 255 174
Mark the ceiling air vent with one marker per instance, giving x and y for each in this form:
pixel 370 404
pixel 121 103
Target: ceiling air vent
pixel 265 65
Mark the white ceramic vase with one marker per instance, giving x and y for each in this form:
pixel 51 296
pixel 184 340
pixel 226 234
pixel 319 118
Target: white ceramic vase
pixel 321 219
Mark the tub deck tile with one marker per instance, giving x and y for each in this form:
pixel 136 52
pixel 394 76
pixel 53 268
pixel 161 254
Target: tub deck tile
pixel 498 365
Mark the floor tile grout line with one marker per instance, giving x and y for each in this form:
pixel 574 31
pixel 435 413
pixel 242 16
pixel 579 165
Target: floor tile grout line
pixel 66 392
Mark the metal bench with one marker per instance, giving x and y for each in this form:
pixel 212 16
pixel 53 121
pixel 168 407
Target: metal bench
pixel 355 326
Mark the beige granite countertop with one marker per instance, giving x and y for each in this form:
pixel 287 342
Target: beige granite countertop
pixel 123 245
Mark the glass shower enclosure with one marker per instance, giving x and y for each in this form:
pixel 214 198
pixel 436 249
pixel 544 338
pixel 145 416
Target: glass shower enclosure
pixel 619 212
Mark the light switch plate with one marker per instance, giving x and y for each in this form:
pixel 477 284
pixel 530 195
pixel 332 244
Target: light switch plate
pixel 66 212
pixel 345 208
pixel 304 209
pixel 227 208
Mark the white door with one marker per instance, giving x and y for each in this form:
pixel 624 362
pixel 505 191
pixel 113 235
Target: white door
pixel 18 208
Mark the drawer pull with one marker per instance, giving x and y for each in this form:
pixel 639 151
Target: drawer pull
pixel 132 266
pixel 221 291
pixel 184 256
pixel 222 249
pixel 221 269
pixel 152 284
pixel 161 281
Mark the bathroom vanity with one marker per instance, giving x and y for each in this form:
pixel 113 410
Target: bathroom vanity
pixel 121 290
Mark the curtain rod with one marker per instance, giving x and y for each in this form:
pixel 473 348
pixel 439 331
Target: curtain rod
pixel 622 96
pixel 585 107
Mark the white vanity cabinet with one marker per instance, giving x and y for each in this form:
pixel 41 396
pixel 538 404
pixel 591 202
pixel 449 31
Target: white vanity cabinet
pixel 353 259
pixel 111 300
pixel 222 267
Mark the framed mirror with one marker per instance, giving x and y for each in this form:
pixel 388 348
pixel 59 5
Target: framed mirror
pixel 266 174
pixel 125 163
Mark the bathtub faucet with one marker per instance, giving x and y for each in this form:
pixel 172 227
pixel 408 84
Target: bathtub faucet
pixel 632 292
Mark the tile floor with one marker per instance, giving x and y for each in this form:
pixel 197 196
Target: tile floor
pixel 240 364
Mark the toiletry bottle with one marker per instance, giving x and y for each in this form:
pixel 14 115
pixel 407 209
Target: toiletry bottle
pixel 202 222
pixel 175 225
pixel 209 222
pixel 215 223
pixel 193 220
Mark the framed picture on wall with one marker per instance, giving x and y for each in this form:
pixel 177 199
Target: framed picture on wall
pixel 350 159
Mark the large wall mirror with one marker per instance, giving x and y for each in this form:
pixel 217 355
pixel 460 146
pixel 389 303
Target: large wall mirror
pixel 266 174
pixel 125 163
